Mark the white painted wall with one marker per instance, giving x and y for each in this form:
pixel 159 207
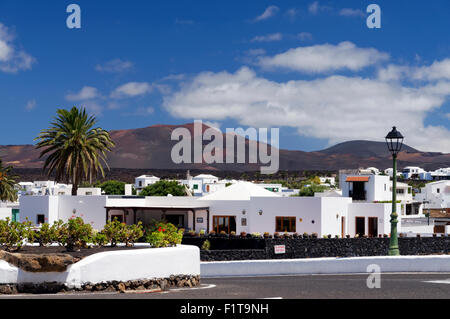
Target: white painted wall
pixel 109 266
pixel 325 266
pixel 5 212
pixel 380 210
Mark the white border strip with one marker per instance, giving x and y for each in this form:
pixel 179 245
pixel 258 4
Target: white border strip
pixel 280 267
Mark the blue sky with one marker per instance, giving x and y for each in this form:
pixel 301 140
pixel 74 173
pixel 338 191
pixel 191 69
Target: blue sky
pixel 311 68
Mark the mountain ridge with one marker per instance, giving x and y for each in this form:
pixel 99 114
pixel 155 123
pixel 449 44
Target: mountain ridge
pixel 150 148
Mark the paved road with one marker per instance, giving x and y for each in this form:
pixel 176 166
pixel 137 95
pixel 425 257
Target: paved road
pixel 410 286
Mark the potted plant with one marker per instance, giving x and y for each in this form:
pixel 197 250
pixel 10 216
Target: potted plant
pixel 385 236
pixel 314 235
pixel 347 236
pixel 266 235
pixel 276 235
pixel 295 235
pixel 305 235
pixel 286 235
pixel 233 234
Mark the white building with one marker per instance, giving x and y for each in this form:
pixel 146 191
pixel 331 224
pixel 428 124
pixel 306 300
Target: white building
pixel 412 172
pixel 331 181
pixel 242 207
pixel 144 180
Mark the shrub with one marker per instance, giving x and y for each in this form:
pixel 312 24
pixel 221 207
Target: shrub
pixel 256 235
pixel 276 235
pixel 46 234
pixel 243 234
pixel 75 234
pixel 14 234
pixel 100 239
pixel 266 235
pixel 164 234
pixel 117 232
pixel 206 245
pixel 202 232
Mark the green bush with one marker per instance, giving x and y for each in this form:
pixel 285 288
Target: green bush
pixel 164 188
pixel 75 234
pixel 117 232
pixel 46 234
pixel 206 245
pixel 163 234
pixel 14 234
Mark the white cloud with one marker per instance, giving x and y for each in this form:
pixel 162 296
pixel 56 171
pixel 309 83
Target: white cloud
pixel 439 70
pixel 132 89
pixel 315 8
pixel 349 12
pixel 12 60
pixel 86 93
pixel 336 108
pixel 92 107
pixel 292 13
pixel 268 13
pixel 325 58
pixel 268 38
pixel 31 105
pixel 114 66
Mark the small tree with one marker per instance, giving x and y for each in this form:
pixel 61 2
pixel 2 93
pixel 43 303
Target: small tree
pixel 164 188
pixel 113 187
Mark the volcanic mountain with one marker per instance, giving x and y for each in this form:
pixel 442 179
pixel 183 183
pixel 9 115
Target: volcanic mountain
pixel 151 147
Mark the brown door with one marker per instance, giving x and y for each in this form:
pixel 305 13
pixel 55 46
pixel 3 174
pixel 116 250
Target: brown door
pixel 373 227
pixel 439 229
pixel 342 226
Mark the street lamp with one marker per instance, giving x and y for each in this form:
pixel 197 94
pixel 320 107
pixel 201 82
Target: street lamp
pixel 394 141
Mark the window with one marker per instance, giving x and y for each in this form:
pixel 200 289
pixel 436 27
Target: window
pixel 40 219
pixel 224 223
pixel 438 190
pixel 140 183
pixel 285 224
pixel 195 186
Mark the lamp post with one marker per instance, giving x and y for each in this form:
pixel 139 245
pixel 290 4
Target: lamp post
pixel 394 141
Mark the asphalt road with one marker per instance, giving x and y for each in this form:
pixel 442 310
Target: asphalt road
pixel 408 286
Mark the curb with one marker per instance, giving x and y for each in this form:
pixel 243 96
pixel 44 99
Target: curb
pixel 352 265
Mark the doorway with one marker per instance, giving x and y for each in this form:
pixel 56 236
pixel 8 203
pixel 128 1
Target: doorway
pixel 373 227
pixel 177 220
pixel 360 223
pixel 342 226
pixel 224 223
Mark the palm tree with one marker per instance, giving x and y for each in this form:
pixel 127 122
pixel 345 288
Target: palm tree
pixel 8 192
pixel 76 150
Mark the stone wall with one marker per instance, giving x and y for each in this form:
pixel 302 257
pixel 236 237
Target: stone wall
pixel 317 247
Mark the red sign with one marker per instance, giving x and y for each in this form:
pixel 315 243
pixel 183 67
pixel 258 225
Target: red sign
pixel 280 249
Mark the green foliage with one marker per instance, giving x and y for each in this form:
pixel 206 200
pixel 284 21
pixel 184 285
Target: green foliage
pixel 14 234
pixel 74 149
pixel 206 245
pixel 112 187
pixel 75 234
pixel 46 234
pixel 164 188
pixel 7 184
pixel 117 232
pixel 163 234
pixel 99 239
pixel 310 190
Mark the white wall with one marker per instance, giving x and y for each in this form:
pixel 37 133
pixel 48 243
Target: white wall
pixel 90 208
pixel 380 210
pixel 5 212
pixel 139 264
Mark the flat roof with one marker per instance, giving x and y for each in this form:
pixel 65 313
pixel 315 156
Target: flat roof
pixel 357 179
